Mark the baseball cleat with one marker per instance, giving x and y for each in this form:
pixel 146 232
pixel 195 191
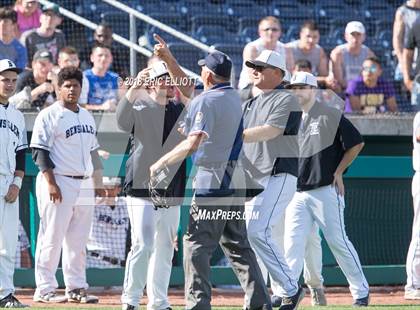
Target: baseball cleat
pixel 361 302
pixel 275 301
pixel 50 297
pixel 318 297
pixel 128 307
pixel 80 296
pixel 292 302
pixel 412 294
pixel 11 301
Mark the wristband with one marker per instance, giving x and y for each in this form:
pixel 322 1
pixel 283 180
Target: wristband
pixel 17 181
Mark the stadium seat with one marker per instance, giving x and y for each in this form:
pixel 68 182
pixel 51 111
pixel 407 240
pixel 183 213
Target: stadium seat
pixel 239 8
pixel 201 20
pixel 173 19
pixel 247 35
pixel 119 22
pixel 214 34
pixel 150 41
pixel 190 8
pixel 248 22
pixel 187 55
pixel 291 33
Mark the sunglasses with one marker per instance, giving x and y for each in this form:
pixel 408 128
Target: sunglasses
pixel 272 29
pixel 371 69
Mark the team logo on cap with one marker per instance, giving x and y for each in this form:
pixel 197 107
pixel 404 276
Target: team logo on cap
pixel 11 65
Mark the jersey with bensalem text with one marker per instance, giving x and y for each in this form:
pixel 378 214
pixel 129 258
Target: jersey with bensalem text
pixel 12 136
pixel 416 144
pixel 68 136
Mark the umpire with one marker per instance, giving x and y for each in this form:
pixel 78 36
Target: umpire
pixel 214 135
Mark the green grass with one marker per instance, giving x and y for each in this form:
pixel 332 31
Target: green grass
pixel 379 307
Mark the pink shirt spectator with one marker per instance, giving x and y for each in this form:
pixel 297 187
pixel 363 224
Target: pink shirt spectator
pixel 27 22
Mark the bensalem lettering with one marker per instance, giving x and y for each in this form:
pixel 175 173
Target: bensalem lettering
pixel 80 129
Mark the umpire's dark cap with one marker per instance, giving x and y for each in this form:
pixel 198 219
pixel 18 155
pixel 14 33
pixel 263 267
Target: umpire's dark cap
pixel 8 65
pixel 218 63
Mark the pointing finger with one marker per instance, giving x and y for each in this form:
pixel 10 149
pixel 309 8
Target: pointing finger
pixel 159 39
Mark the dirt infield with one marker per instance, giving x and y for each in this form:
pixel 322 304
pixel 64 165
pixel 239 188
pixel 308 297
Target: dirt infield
pixel 224 297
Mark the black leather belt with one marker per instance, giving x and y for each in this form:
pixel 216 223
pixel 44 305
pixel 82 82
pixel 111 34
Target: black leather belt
pixel 108 259
pixel 77 177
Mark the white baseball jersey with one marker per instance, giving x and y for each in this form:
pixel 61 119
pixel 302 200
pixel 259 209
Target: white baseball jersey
pixel 68 136
pixel 12 136
pixel 108 234
pixel 416 144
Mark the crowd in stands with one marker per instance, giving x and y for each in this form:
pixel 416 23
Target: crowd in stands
pixel 30 37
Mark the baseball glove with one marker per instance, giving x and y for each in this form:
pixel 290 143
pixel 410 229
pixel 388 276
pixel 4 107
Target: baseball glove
pixel 158 188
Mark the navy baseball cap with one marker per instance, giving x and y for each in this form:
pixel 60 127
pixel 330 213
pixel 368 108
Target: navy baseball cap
pixel 218 63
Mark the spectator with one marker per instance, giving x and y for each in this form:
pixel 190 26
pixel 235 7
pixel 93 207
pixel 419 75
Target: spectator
pixel 102 94
pixel 370 93
pixel 23 258
pixel 302 65
pixel 10 48
pixel 405 17
pixel 269 30
pixel 307 48
pixel 103 35
pixel 28 15
pixel 108 235
pixel 347 58
pixel 68 57
pixel 412 42
pixel 34 88
pixel 46 36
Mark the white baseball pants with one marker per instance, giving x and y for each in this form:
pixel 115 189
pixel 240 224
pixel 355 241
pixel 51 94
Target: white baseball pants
pixel 9 226
pixel 66 226
pixel 325 207
pixel 270 206
pixel 150 259
pixel 413 256
pixel 312 271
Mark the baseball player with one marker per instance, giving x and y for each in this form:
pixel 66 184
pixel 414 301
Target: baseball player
pixel 213 127
pixel 412 289
pixel 108 235
pixel 64 147
pixel 271 120
pixel 328 144
pixel 12 166
pixel 149 113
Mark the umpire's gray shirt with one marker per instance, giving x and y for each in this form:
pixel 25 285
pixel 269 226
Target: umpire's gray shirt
pixel 279 108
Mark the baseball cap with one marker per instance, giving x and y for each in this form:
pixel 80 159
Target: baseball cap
pixel 43 54
pixel 302 79
pixel 158 69
pixel 51 7
pixel 268 58
pixel 8 65
pixel 355 26
pixel 111 181
pixel 218 63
